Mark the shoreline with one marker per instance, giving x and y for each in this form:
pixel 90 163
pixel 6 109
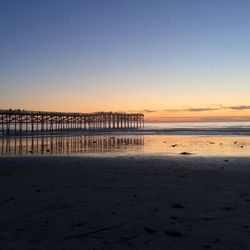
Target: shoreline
pixel 146 131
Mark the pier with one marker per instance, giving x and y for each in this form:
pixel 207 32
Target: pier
pixel 34 122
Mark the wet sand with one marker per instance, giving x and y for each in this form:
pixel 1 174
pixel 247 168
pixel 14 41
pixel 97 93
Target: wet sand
pixel 124 145
pixel 144 202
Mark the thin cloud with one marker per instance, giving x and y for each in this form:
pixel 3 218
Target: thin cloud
pixel 192 109
pixel 241 107
pixel 143 111
pixel 173 110
pixel 201 109
pixel 215 107
pixel 200 119
pixel 149 111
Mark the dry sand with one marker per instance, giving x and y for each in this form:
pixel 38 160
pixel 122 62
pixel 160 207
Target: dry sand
pixel 125 203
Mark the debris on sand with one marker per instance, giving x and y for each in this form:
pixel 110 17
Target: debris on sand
pixel 185 153
pixel 228 208
pixel 177 205
pixel 174 233
pixel 149 230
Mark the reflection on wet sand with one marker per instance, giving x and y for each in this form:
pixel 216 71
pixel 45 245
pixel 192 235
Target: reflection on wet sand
pixel 126 144
pixel 64 145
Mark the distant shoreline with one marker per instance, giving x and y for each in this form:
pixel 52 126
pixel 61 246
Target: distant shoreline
pixel 167 131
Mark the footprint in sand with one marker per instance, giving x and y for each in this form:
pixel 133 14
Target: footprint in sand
pixel 174 233
pixel 177 205
pixel 149 230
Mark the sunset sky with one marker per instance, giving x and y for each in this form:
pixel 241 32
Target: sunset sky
pixel 178 60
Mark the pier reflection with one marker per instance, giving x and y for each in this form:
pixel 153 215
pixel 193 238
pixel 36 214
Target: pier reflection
pixel 67 145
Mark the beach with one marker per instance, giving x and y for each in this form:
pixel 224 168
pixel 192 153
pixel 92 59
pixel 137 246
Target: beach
pixel 125 202
pixel 124 125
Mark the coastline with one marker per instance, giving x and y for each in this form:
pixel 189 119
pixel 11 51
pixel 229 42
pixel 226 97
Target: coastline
pixel 126 202
pixel 146 131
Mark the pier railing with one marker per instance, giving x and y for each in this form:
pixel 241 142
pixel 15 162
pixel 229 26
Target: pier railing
pixel 22 121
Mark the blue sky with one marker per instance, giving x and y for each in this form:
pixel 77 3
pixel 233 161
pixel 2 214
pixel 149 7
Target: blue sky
pixel 124 55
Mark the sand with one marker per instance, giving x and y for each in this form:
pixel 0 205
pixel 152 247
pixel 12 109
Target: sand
pixel 144 202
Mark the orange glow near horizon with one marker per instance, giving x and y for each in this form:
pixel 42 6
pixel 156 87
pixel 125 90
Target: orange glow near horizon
pixel 203 114
pixel 220 115
pixel 198 119
pixel 157 106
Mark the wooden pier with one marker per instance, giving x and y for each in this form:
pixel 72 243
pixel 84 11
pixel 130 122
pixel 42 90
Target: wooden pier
pixel 34 122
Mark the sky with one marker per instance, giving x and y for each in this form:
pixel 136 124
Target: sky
pixel 173 60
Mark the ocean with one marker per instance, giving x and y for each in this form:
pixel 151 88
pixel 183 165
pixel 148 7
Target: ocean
pixel 201 128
